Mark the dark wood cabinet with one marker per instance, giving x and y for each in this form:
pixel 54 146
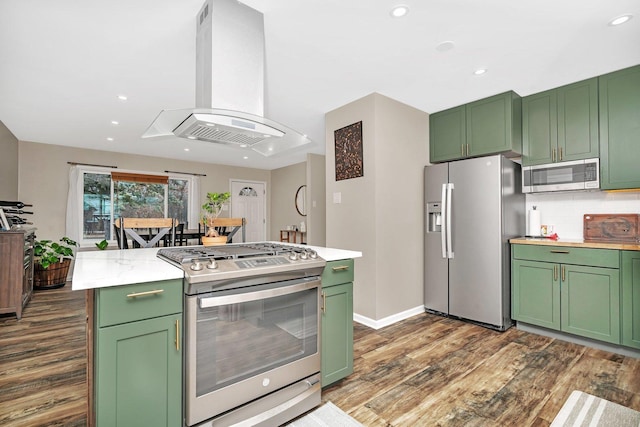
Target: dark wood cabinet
pixel 16 270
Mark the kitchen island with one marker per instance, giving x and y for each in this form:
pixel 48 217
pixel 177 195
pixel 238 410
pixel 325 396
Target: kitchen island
pixel 100 269
pixel 136 324
pixel 582 291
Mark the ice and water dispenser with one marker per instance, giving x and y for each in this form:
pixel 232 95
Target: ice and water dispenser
pixel 434 217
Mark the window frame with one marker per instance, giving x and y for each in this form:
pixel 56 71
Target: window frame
pixel 83 170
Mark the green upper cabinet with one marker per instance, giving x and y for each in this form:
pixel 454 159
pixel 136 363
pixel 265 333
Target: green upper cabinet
pixel 539 128
pixel 487 126
pixel 561 124
pixel 447 134
pixel 494 125
pixel 619 98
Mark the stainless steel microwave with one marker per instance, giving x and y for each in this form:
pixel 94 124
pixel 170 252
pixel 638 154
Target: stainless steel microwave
pixel 575 175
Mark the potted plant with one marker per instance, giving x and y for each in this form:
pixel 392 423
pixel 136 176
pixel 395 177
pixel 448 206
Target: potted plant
pixel 51 262
pixel 210 211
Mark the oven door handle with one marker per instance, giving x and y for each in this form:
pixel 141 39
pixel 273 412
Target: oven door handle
pixel 206 302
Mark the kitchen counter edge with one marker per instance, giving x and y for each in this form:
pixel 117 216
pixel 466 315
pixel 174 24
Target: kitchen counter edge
pixel 102 269
pixel 575 243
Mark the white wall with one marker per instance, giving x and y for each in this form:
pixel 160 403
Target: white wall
pixel 316 203
pixel 44 178
pixel 284 184
pixel 8 164
pixel 380 214
pixel 565 210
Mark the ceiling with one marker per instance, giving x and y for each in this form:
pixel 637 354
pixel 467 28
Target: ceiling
pixel 64 63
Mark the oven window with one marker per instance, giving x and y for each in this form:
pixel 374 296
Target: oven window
pixel 238 341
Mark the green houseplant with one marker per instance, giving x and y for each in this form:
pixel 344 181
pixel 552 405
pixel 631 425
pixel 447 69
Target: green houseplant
pixel 210 211
pixel 51 262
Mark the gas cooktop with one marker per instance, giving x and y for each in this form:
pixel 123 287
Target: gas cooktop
pixel 181 255
pixel 207 268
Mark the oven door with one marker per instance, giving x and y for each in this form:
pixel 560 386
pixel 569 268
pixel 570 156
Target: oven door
pixel 245 343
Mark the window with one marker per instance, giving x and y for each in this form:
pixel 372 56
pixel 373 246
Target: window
pixel 107 196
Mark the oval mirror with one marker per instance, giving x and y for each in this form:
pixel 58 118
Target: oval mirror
pixel 301 200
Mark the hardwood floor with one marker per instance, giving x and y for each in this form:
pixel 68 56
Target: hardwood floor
pixel 424 371
pixel 432 371
pixel 43 362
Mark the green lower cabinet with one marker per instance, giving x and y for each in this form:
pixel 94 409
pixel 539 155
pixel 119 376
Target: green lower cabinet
pixel 337 321
pixel 631 298
pixel 139 373
pixel 535 296
pixel 567 295
pixel 337 333
pixel 591 302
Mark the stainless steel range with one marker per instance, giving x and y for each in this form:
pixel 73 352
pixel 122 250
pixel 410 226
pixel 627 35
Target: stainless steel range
pixel 252 341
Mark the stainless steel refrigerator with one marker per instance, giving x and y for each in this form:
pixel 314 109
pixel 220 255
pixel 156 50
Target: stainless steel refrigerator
pixel 473 207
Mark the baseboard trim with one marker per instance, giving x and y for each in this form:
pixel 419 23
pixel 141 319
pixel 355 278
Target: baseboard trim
pixel 389 320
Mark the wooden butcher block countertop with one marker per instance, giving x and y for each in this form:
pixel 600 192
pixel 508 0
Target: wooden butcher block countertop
pixel 575 243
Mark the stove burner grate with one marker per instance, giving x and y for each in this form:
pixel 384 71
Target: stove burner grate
pixel 247 250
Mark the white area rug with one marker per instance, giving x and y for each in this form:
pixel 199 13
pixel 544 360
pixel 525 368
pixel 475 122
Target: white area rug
pixel 327 415
pixel 582 409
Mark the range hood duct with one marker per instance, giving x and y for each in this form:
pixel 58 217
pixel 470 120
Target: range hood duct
pixel 229 85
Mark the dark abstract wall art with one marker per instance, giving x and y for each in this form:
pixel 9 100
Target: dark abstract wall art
pixel 348 142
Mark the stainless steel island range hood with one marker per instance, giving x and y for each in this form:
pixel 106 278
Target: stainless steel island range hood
pixel 229 85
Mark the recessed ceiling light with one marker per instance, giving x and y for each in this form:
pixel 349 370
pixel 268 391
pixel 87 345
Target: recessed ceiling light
pixel 243 145
pixel 186 149
pixel 109 139
pixel 620 20
pixel 480 71
pixel 245 157
pixel 191 137
pixel 115 122
pixel 399 11
pixel 445 46
pixel 122 97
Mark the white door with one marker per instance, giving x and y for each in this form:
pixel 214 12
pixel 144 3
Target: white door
pixel 248 200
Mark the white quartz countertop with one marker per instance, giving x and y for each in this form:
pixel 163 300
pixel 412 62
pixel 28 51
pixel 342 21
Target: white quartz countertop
pixel 100 269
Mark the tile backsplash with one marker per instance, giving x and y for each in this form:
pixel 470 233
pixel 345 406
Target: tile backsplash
pixel 565 210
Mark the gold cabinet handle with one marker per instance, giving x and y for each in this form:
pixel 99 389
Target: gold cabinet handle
pixel 177 335
pixel 467 149
pixel 553 155
pixel 340 268
pixel 144 294
pixel 563 273
pixel 324 302
pixel 560 149
pixel 462 150
pixel 558 252
pixel 555 272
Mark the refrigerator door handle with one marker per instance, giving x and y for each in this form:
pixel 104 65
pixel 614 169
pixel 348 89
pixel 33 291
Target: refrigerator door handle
pixel 443 231
pixel 448 220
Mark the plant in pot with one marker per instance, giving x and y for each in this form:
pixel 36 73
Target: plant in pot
pixel 51 262
pixel 210 211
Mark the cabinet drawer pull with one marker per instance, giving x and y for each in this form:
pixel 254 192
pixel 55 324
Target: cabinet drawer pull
pixel 324 303
pixel 143 294
pixel 340 268
pixel 467 149
pixel 560 150
pixel 559 252
pixel 563 273
pixel 555 272
pixel 462 150
pixel 177 335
